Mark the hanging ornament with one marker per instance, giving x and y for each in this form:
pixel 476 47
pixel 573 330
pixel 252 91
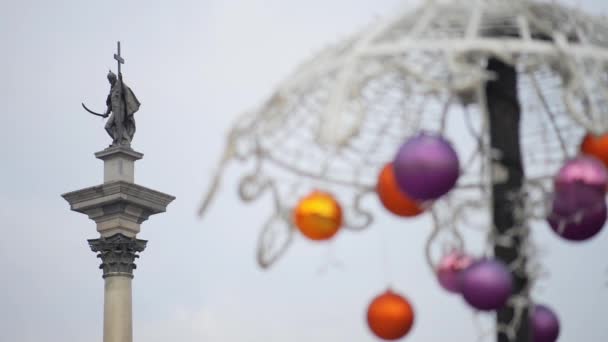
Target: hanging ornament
pixel 426 167
pixel 318 216
pixel 584 170
pixel 578 212
pixel 450 269
pixel 390 316
pixel 544 323
pixel 597 146
pixel 487 284
pixel 391 196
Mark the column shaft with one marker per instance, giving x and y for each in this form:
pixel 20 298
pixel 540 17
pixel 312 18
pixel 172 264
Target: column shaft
pixel 117 313
pixel 118 253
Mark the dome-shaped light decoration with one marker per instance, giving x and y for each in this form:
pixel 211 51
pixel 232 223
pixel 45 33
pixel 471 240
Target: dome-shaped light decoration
pixel 390 316
pixel 544 324
pixel 318 216
pixel 450 268
pixel 392 197
pixel 426 167
pixel 342 114
pixel 487 285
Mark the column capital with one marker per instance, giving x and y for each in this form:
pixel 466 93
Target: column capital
pixel 117 253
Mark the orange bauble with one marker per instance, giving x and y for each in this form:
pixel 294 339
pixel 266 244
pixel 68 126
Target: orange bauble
pixel 393 199
pixel 318 216
pixel 596 146
pixel 390 316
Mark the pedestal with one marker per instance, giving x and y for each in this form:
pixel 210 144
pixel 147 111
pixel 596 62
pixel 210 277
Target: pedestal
pixel 119 163
pixel 118 207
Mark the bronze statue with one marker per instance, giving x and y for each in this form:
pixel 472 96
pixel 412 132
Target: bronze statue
pixel 122 103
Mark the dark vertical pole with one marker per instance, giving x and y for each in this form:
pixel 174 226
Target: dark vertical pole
pixel 504 117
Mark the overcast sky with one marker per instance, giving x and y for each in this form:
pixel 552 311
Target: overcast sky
pixel 196 65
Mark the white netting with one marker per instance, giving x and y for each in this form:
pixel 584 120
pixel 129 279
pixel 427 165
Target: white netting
pixel 342 115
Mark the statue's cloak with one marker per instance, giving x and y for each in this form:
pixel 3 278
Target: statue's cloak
pixel 123 100
pixel 131 102
pixel 124 104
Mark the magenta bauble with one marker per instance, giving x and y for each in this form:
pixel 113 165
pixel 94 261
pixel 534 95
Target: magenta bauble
pixel 578 212
pixel 544 324
pixel 584 170
pixel 450 269
pixel 426 167
pixel 487 284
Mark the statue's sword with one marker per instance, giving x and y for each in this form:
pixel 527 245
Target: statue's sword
pixel 92 112
pixel 120 61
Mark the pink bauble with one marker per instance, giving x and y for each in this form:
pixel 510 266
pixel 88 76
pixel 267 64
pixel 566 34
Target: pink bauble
pixel 450 269
pixel 585 170
pixel 426 167
pixel 578 212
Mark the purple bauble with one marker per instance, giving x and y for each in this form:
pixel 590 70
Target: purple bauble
pixel 450 269
pixel 585 170
pixel 578 212
pixel 426 167
pixel 487 284
pixel 544 323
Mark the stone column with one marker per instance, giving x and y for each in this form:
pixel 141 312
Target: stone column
pixel 118 207
pixel 117 253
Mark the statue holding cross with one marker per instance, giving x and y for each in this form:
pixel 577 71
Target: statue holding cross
pixel 122 103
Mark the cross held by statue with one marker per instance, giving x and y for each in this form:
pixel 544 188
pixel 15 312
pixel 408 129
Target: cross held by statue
pixel 119 59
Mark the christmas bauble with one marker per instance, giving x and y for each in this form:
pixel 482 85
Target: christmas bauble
pixel 390 316
pixel 578 212
pixel 486 284
pixel 544 324
pixel 584 170
pixel 318 216
pixel 450 269
pixel 426 167
pixel 597 146
pixel 392 197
